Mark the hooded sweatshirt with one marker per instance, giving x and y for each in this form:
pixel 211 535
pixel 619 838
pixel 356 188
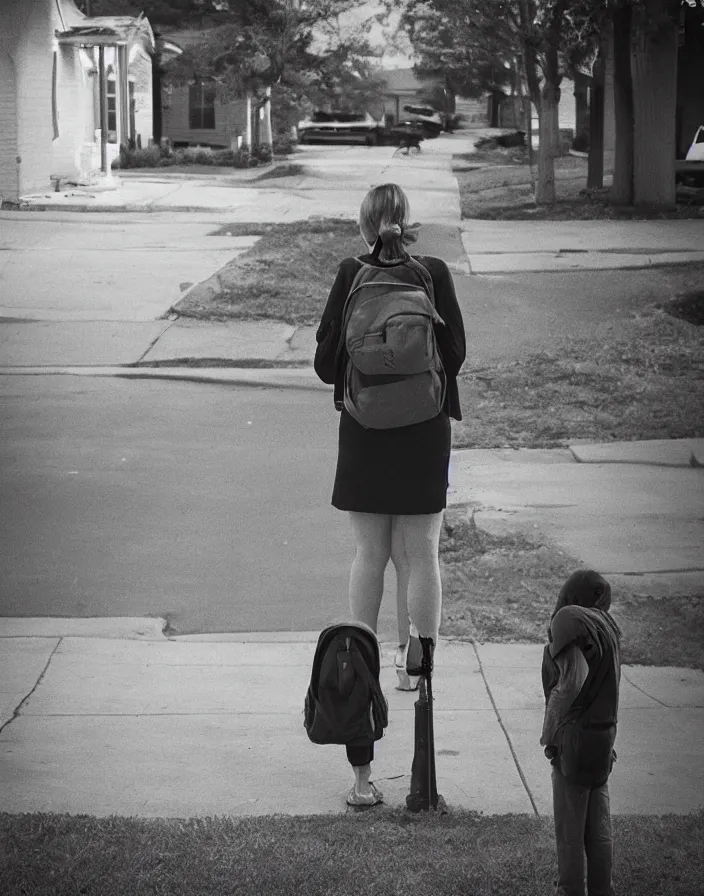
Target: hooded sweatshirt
pixel 580 634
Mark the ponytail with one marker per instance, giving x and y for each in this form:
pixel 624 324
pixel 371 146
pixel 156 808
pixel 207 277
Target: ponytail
pixel 391 244
pixel 384 211
pixel 392 239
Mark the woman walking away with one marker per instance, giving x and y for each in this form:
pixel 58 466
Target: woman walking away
pixel 581 675
pixel 393 352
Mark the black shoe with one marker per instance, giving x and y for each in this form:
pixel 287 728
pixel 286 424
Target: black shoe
pixel 425 666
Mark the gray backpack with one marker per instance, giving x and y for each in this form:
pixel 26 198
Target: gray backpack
pixel 394 375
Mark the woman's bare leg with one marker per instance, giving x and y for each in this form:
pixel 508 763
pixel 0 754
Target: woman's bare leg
pixel 421 540
pixel 400 561
pixel 372 532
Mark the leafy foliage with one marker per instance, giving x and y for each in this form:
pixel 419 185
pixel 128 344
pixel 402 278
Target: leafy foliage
pixel 261 45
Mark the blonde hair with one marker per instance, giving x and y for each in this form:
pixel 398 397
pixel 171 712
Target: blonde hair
pixel 384 213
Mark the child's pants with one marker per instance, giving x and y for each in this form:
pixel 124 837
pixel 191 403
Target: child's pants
pixel 582 827
pixel 360 755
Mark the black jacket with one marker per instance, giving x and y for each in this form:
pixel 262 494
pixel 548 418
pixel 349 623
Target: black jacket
pixel 450 338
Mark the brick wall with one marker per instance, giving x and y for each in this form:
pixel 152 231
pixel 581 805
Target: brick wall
pixel 9 170
pixel 26 32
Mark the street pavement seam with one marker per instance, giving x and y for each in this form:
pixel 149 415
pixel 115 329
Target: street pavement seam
pixel 505 731
pixel 153 343
pixel 645 693
pixel 18 709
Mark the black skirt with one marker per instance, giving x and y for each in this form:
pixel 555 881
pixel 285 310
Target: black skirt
pixel 392 471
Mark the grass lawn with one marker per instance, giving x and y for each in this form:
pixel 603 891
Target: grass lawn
pixel 500 189
pixel 286 276
pixel 642 378
pixel 503 589
pixel 378 852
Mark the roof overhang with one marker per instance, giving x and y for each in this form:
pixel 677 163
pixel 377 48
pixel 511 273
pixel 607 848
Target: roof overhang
pixel 104 31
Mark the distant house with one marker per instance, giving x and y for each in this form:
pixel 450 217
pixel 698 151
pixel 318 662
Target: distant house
pixel 195 114
pixel 404 87
pixel 72 89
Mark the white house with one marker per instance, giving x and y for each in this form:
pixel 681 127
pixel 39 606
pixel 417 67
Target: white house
pixel 72 89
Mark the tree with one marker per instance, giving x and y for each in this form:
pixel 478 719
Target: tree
pixel 265 48
pixel 481 42
pixel 645 51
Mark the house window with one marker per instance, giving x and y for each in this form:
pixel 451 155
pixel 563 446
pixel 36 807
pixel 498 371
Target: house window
pixel 112 110
pixel 201 107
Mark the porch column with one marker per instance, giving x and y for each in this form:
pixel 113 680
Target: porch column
pixel 248 128
pixel 265 120
pixel 122 100
pixel 103 106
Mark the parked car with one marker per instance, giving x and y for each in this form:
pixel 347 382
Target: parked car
pixel 690 170
pixel 431 120
pixel 339 127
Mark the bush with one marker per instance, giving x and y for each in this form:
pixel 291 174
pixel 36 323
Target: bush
pixel 138 158
pixel 155 157
pixel 263 153
pixel 242 157
pixel 581 142
pixel 283 145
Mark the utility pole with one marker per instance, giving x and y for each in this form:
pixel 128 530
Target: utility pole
pixel 89 8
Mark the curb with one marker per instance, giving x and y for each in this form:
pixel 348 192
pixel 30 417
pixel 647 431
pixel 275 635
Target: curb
pixel 285 378
pixel 552 263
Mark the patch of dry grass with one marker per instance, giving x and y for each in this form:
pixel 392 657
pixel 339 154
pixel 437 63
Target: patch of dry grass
pixel 502 190
pixel 503 588
pixel 286 276
pixel 640 379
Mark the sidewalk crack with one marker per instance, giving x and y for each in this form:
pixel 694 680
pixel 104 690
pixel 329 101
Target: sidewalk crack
pixel 645 693
pixel 151 345
pixel 505 731
pixel 18 708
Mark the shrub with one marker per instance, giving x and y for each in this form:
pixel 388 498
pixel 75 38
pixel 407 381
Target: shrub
pixel 224 157
pixel 283 144
pixel 581 142
pixel 241 157
pixel 263 152
pixel 138 158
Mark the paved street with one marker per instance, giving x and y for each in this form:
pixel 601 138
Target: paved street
pixel 208 505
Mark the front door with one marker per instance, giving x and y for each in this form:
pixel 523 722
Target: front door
pixel 9 150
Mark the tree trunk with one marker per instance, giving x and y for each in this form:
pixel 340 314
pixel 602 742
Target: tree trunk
pixel 622 186
pixel 595 170
pixel 654 60
pixel 549 139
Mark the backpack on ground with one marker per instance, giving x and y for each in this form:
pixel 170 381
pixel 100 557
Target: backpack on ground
pixel 344 703
pixel 394 375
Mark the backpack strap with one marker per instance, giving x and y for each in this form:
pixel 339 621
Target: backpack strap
pixel 424 275
pixel 379 705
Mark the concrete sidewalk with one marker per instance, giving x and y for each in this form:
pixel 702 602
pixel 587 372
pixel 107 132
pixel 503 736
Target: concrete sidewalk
pixel 112 717
pixel 107 716
pixel 495 247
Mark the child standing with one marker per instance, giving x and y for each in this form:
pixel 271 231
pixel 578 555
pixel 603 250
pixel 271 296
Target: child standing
pixel 581 674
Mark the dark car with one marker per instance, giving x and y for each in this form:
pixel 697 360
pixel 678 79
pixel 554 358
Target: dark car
pixel 339 127
pixel 425 116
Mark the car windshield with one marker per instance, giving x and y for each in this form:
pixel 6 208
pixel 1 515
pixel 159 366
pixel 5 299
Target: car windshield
pixel 320 117
pixel 419 110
